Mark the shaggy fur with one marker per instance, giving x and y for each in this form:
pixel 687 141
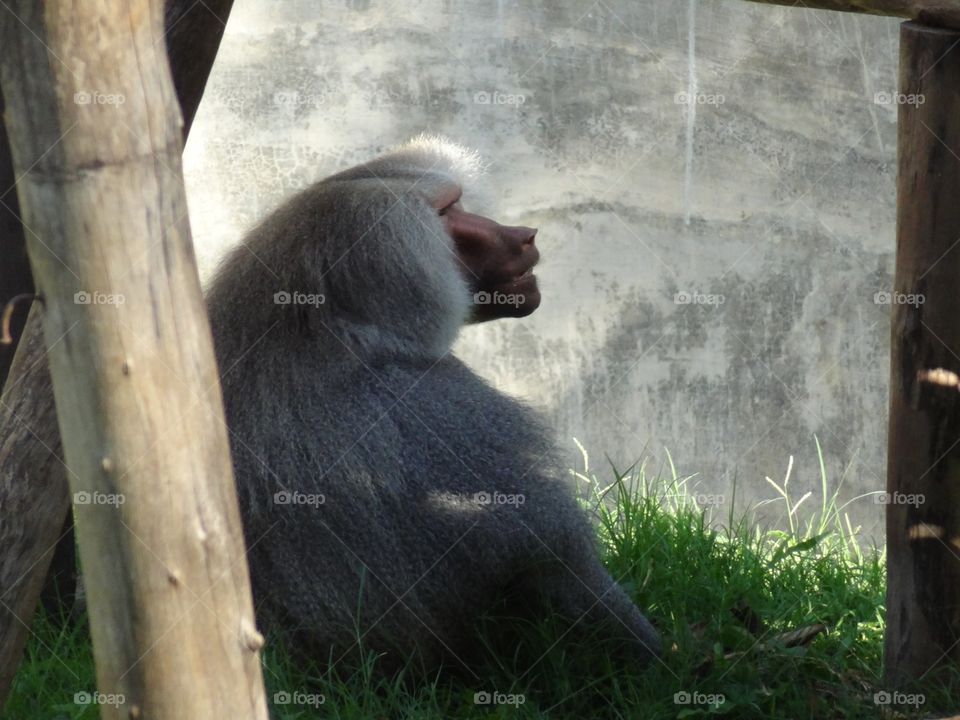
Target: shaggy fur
pixel 358 400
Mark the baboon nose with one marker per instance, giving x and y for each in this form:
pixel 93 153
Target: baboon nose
pixel 519 234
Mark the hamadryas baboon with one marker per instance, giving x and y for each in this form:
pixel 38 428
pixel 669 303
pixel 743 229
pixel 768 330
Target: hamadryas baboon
pixel 390 495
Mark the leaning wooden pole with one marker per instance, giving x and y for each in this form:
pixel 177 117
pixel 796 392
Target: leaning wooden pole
pixel 923 518
pixel 95 130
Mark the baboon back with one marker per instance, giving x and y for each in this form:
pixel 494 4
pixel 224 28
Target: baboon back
pixel 397 500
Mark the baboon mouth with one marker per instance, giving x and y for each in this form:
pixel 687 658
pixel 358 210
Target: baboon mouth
pixel 525 281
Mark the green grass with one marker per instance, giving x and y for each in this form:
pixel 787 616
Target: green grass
pixel 722 592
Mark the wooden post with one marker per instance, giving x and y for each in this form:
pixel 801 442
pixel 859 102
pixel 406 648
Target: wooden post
pixel 932 12
pixel 923 517
pixel 34 493
pixel 96 135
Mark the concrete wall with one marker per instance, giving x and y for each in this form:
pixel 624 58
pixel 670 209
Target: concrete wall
pixel 773 193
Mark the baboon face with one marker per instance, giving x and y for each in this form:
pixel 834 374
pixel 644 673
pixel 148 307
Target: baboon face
pixel 494 258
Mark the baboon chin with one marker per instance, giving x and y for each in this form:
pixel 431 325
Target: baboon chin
pixel 390 496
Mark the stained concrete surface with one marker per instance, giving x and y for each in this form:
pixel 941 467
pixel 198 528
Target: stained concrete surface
pixel 767 203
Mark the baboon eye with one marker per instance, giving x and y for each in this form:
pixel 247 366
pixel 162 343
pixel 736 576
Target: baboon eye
pixel 455 205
